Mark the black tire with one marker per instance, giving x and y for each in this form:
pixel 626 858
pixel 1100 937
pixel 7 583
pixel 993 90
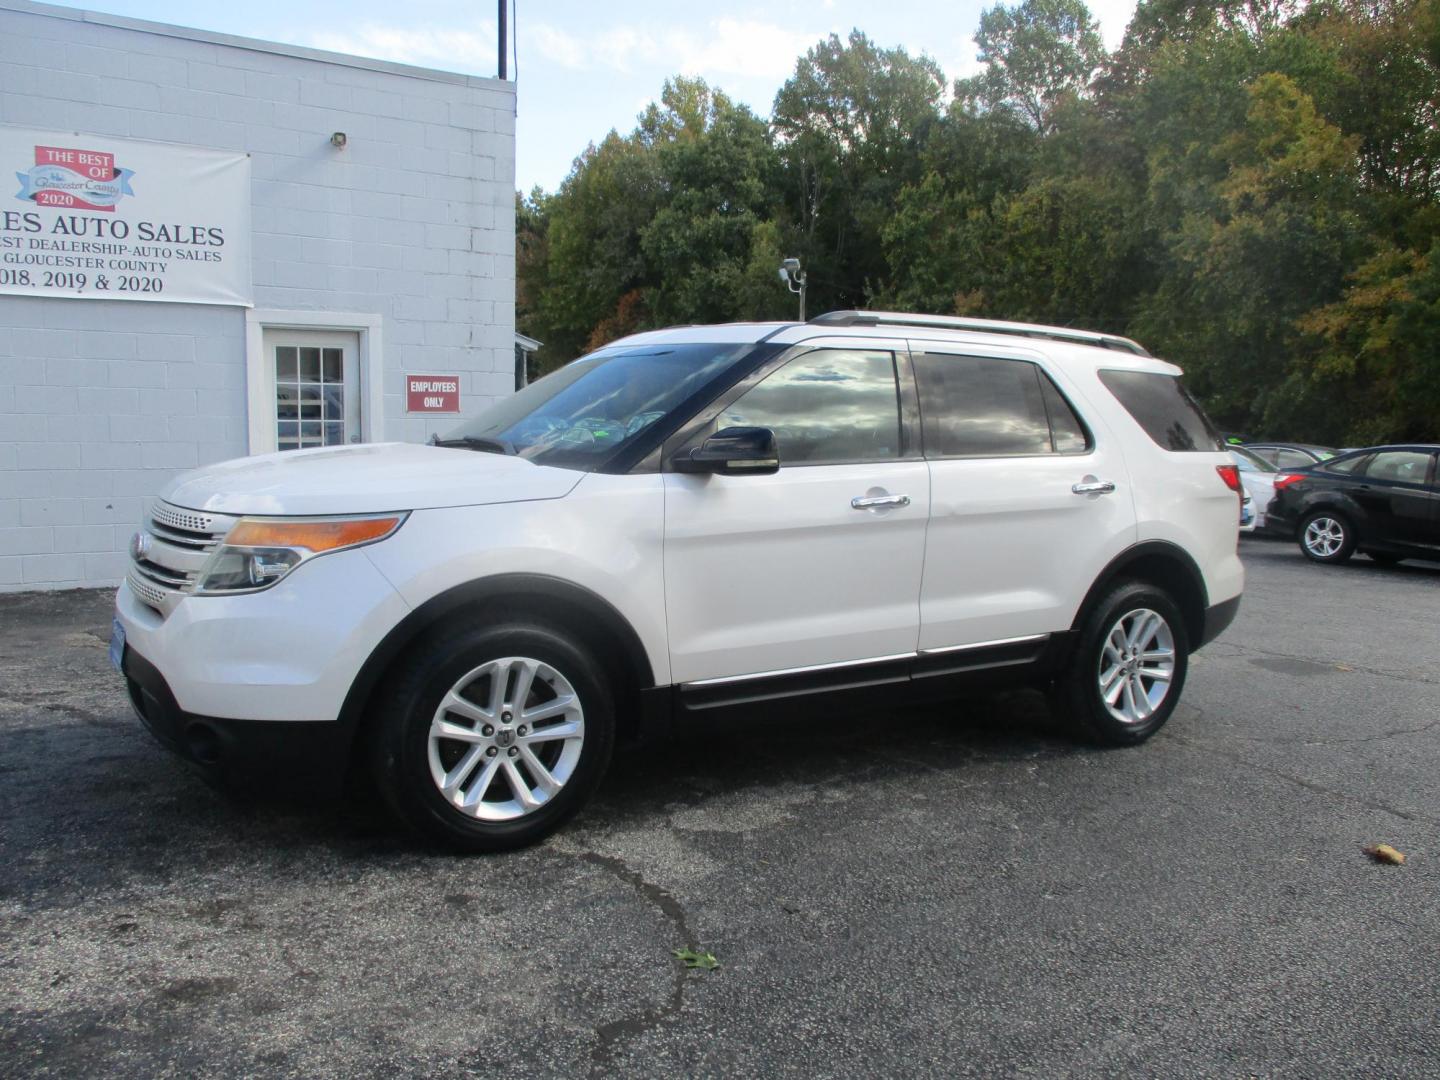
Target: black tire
pixel 1077 694
pixel 1383 558
pixel 401 745
pixel 1332 539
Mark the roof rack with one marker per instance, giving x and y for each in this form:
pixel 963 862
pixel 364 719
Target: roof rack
pixel 987 326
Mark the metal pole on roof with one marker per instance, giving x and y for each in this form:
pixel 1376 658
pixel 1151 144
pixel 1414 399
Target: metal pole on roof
pixel 504 37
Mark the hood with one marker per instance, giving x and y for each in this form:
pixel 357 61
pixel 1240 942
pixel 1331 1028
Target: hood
pixel 368 479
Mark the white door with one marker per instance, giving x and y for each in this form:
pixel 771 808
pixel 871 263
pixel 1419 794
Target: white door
pixel 771 573
pixel 1029 502
pixel 314 377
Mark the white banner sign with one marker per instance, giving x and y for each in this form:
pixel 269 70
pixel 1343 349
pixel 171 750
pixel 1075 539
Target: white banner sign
pixel 117 219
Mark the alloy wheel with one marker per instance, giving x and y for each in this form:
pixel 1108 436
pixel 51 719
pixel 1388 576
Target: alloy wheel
pixel 1137 664
pixel 506 738
pixel 1324 536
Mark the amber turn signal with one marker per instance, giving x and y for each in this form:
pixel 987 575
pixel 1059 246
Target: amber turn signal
pixel 316 536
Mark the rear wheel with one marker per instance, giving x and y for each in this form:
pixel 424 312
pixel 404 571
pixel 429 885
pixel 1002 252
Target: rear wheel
pixel 1327 537
pixel 491 737
pixel 1129 667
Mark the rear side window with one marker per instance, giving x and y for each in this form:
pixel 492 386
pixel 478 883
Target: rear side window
pixel 1348 465
pixel 975 406
pixel 1165 409
pixel 1292 459
pixel 1402 466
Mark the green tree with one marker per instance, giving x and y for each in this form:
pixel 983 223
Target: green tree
pixel 1271 240
pixel 850 124
pixel 595 256
pixel 1035 55
pixel 719 184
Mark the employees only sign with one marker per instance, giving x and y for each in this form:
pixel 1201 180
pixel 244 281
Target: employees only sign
pixel 432 393
pixel 118 219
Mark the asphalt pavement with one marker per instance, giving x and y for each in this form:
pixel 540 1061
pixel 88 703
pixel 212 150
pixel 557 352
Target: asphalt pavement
pixel 956 891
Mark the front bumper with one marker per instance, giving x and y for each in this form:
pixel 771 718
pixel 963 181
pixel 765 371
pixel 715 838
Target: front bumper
pixel 250 688
pixel 289 653
pixel 298 758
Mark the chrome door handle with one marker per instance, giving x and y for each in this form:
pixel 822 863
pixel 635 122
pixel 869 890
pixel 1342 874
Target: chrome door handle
pixel 1091 486
pixel 871 502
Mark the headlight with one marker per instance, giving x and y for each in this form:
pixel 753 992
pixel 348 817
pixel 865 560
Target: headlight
pixel 258 552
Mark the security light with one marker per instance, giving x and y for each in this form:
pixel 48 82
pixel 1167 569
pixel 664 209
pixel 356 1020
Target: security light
pixel 794 279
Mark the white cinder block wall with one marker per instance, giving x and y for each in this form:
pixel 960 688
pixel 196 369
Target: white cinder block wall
pixel 102 401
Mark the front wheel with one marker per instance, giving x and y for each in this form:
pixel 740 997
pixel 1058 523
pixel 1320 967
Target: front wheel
pixel 1129 666
pixel 1327 537
pixel 491 737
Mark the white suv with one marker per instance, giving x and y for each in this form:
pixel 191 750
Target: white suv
pixel 864 507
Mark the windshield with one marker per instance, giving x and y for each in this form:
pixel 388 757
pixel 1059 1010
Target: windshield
pixel 1249 461
pixel 581 415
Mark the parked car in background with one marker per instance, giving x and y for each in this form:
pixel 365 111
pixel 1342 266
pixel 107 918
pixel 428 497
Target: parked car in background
pixel 1257 476
pixel 1384 501
pixel 1291 455
pixel 1247 511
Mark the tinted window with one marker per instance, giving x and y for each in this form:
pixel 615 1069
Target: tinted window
pixel 1164 408
pixel 1348 465
pixel 1249 461
pixel 826 407
pixel 1404 466
pixel 978 406
pixel 1268 453
pixel 1292 459
pixel 1067 433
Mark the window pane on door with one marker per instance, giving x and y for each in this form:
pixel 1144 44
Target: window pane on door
pixel 1404 466
pixel 826 407
pixel 309 396
pixel 974 406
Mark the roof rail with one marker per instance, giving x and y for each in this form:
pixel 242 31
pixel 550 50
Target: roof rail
pixel 986 326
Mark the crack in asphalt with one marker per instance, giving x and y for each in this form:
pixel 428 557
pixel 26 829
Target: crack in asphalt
pixel 617 1031
pixel 1302 782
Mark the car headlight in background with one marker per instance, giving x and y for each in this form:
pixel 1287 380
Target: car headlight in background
pixel 258 552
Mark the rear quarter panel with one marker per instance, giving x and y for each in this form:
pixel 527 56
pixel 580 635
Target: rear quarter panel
pixel 1179 497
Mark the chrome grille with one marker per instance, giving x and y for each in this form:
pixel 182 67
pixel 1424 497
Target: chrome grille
pixel 178 542
pixel 145 591
pixel 177 517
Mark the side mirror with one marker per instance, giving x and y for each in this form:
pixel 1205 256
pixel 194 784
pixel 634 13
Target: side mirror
pixel 735 451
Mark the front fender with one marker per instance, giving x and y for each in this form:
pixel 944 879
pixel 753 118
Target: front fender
pixel 604 538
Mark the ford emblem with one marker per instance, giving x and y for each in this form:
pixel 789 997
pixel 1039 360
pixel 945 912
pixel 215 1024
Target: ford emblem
pixel 139 546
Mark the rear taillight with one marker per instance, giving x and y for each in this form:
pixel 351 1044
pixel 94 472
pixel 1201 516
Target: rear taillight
pixel 1231 475
pixel 1284 480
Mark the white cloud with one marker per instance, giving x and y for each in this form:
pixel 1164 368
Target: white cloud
pixel 615 48
pixel 448 48
pixel 742 47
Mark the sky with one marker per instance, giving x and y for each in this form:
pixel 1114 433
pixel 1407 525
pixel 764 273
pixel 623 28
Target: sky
pixel 585 67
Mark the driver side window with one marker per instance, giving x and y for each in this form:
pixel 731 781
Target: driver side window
pixel 827 407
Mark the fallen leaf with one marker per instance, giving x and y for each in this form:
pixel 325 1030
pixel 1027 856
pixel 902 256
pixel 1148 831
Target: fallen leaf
pixel 693 959
pixel 1384 853
pixel 1343 667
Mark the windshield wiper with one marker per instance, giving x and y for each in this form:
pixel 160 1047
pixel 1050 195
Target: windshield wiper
pixel 476 442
